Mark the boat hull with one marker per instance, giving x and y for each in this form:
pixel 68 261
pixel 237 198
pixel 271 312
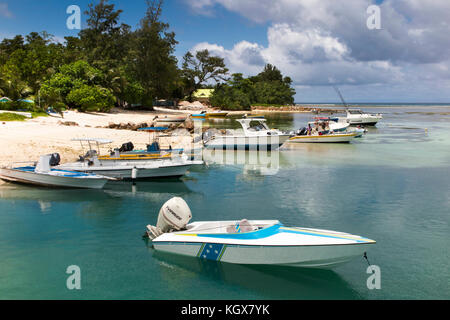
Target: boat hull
pixel 296 256
pixel 126 172
pixel 44 180
pixel 335 138
pixel 256 143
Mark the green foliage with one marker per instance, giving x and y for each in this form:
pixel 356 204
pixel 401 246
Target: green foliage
pixel 11 117
pixel 110 64
pixel 91 98
pixel 201 68
pixel 268 88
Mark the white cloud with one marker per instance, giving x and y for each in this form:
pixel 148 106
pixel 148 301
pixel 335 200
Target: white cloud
pixel 318 42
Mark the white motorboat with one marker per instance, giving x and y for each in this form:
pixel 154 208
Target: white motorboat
pixel 357 117
pixel 130 165
pixel 258 242
pixel 256 136
pixel 324 138
pixel 44 175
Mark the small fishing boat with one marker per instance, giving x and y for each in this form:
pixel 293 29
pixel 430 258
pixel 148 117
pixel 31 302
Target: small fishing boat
pixel 123 165
pixel 324 138
pixel 358 117
pixel 257 242
pixel 44 175
pixel 167 119
pixel 256 136
pixel 212 114
pixel 254 116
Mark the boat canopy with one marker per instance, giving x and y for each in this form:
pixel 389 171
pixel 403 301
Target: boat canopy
pixel 154 129
pixel 96 140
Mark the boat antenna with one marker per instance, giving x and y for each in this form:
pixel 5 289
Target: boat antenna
pixel 342 98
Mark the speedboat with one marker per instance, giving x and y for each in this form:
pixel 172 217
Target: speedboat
pixel 128 165
pixel 44 175
pixel 256 136
pixel 211 114
pixel 257 242
pixel 325 138
pixel 357 117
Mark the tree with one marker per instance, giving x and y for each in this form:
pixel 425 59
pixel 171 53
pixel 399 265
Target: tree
pixel 201 68
pixel 154 65
pixel 104 41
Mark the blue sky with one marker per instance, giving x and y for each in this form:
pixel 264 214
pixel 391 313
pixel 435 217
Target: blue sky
pixel 317 43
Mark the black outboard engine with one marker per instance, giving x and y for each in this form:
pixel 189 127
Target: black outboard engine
pixel 127 147
pixel 55 160
pixel 302 132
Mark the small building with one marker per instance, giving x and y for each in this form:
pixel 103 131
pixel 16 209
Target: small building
pixel 203 95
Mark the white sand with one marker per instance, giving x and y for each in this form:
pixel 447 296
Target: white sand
pixel 26 141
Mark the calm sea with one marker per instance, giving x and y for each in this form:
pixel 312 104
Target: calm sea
pixel 393 186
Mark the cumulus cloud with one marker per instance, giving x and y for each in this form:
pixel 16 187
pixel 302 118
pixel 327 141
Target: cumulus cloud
pixel 320 42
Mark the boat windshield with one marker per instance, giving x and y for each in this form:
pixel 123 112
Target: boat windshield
pixel 258 126
pixel 355 111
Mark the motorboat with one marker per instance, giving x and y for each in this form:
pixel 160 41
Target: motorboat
pixel 210 114
pixel 324 138
pixel 324 130
pixel 254 242
pixel 358 117
pixel 123 165
pixel 256 136
pixel 254 116
pixel 42 174
pixel 169 119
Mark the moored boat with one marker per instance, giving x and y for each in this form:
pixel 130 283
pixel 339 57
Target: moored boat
pixel 123 165
pixel 256 136
pixel 44 175
pixel 358 117
pixel 257 242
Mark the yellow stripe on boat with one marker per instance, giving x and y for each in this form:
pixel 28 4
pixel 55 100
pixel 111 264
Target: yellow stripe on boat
pixel 324 136
pixel 135 157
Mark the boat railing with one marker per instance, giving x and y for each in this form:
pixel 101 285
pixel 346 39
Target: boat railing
pixel 16 164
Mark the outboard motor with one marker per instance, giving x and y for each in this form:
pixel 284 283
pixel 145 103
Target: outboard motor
pixel 55 159
pixel 127 147
pixel 175 214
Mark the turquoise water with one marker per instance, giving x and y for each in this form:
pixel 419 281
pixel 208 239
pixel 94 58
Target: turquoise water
pixel 392 186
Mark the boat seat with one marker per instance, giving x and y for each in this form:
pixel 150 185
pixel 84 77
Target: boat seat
pixel 241 227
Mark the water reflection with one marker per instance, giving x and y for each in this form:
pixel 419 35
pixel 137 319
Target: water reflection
pixel 268 282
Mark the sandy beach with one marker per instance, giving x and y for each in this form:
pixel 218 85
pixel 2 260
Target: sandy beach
pixel 27 140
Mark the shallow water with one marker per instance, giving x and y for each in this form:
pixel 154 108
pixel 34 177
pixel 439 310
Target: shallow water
pixel 392 186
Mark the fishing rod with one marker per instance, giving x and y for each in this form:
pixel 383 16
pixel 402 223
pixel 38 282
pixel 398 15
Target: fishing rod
pixel 342 98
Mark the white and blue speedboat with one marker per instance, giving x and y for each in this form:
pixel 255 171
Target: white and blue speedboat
pixel 258 242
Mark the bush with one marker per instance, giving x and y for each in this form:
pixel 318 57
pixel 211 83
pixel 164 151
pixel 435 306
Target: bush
pixel 91 98
pixel 19 106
